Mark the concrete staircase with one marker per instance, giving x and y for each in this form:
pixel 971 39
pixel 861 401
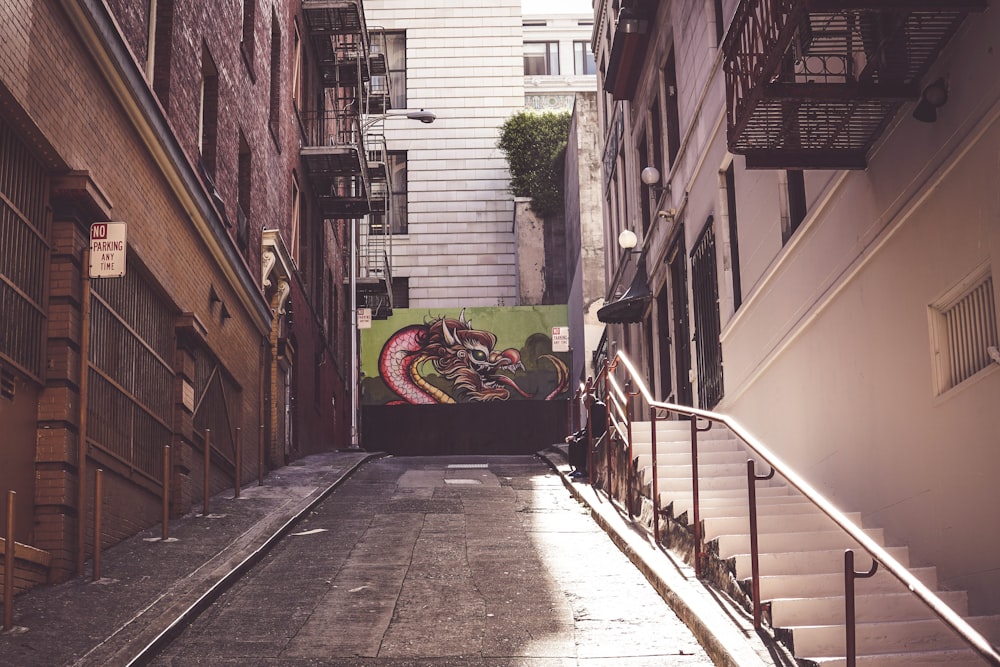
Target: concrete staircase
pixel 801 558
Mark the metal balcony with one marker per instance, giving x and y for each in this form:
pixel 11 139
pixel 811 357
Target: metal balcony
pixel 812 84
pixel 339 36
pixel 332 152
pixel 374 279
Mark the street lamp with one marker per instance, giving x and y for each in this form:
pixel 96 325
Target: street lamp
pixel 423 116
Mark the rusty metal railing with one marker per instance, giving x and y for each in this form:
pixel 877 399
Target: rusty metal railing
pixel 620 417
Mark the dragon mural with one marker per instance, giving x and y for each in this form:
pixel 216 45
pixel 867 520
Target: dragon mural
pixel 459 354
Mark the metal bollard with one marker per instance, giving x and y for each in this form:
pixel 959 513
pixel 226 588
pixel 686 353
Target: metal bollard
pixel 260 457
pixel 8 566
pixel 166 493
pixel 98 507
pixel 239 461
pixel 208 469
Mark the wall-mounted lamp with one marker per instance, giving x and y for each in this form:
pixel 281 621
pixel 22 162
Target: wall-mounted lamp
pixel 933 97
pixel 213 296
pixel 651 178
pixel 225 315
pixel 627 240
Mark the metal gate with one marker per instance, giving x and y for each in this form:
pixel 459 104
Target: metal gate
pixel 130 382
pixel 24 270
pixel 705 290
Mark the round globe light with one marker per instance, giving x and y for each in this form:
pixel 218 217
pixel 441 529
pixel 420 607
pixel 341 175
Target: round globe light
pixel 627 239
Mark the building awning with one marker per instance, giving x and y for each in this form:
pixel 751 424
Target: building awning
pixel 631 307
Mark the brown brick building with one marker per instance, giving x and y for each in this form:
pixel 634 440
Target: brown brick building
pixel 186 121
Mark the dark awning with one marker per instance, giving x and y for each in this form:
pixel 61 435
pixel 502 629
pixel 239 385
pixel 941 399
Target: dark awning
pixel 632 306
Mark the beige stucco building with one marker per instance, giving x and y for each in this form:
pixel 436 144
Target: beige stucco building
pixel 839 303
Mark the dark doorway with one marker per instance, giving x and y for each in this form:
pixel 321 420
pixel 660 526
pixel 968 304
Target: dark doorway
pixel 677 265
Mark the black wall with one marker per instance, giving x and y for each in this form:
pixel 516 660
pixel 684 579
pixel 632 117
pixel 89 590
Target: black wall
pixel 507 427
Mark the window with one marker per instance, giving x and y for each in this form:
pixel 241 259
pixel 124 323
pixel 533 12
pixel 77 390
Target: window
pixel 734 246
pixel 963 330
pixel 161 22
pixel 275 89
pixel 208 116
pixel 705 290
pixel 583 59
pixel 400 192
pixel 395 54
pixel 247 42
pixel 296 213
pixel 720 24
pixel 795 191
pixel 669 94
pixel 541 58
pixel 243 186
pixel 400 292
pixel 297 69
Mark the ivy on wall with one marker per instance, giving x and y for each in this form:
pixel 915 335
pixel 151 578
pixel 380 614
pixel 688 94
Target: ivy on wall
pixel 535 147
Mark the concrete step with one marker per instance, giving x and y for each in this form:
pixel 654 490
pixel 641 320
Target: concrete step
pixel 809 562
pixel 889 637
pixel 705 472
pixel 730 456
pixel 792 523
pixel 949 658
pixel 768 506
pixel 787 612
pixel 679 429
pixel 734 545
pixel 640 447
pixel 682 500
pixel 829 585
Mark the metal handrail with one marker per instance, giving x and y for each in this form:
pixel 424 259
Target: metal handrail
pixel 952 619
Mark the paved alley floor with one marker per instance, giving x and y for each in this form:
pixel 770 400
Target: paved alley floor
pixel 442 561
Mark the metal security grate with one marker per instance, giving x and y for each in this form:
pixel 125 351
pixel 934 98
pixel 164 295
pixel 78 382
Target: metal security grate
pixel 705 289
pixel 129 405
pixel 24 254
pixel 971 326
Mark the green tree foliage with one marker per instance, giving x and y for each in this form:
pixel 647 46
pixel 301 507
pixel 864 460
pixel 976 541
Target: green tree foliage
pixel 535 147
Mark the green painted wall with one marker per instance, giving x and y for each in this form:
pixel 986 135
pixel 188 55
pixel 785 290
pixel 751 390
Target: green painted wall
pixel 524 329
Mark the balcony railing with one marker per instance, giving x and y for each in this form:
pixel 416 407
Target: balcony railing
pixel 812 84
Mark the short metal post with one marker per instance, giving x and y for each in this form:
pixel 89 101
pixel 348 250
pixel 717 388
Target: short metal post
pixel 260 456
pixel 208 471
pixel 587 402
pixel 656 477
pixel 165 533
pixel 629 458
pixel 98 507
pixel 752 479
pixel 695 497
pixel 850 616
pixel 239 462
pixel 8 565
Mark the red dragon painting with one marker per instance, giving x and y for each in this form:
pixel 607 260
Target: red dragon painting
pixel 460 354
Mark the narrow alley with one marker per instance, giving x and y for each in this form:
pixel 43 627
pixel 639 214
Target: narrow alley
pixel 436 561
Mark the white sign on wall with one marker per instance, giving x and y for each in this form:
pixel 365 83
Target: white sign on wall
pixel 364 318
pixel 560 339
pixel 107 249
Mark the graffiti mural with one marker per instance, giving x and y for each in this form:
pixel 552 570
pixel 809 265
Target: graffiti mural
pixel 446 359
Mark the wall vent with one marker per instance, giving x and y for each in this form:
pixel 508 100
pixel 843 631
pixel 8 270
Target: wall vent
pixel 963 328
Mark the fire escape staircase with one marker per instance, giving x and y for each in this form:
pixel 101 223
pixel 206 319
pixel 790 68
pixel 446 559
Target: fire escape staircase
pixel 778 548
pixel 812 84
pixel 346 182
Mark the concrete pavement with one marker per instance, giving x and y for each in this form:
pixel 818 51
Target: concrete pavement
pixel 150 587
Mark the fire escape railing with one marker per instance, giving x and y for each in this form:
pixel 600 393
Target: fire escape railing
pixel 814 83
pixel 618 396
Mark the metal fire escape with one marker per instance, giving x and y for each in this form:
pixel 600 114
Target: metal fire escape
pixel 812 84
pixel 345 180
